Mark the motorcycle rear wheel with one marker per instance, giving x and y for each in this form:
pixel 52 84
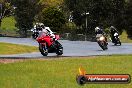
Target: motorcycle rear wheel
pixel 59 48
pixel 118 43
pixel 59 52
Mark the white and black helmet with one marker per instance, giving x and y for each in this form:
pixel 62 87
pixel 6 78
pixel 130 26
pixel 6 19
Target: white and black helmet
pixel 97 29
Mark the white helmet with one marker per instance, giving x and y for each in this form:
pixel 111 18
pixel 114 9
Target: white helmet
pixel 97 28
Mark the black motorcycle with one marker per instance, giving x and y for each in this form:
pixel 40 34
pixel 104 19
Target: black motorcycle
pixel 116 39
pixel 102 42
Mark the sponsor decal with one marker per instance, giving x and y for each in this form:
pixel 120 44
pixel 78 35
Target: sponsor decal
pixel 84 78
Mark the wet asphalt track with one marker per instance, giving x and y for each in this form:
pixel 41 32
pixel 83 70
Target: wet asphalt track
pixel 71 48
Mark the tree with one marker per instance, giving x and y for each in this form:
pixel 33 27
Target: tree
pixel 128 18
pixel 104 12
pixel 53 18
pixel 24 15
pixel 6 9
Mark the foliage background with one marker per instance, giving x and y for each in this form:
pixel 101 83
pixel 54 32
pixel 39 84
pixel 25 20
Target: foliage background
pixel 102 13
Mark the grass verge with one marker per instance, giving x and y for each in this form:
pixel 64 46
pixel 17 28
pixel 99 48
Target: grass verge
pixel 8 23
pixel 7 48
pixel 8 26
pixel 61 72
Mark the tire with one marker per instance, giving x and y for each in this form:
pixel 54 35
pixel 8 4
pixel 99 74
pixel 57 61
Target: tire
pixel 106 47
pixel 43 49
pixel 59 51
pixel 103 45
pixel 117 43
pixel 59 48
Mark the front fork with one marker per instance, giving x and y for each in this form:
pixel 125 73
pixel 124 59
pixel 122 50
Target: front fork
pixel 43 46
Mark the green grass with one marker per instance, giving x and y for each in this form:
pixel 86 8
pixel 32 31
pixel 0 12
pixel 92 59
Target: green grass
pixel 8 26
pixel 7 48
pixel 8 23
pixel 61 73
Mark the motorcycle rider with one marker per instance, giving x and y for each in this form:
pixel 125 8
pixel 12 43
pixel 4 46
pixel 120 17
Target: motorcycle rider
pixel 37 27
pixel 48 31
pixel 112 32
pixel 99 32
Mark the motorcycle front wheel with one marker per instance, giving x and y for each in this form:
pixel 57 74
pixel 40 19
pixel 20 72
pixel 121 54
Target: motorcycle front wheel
pixel 43 49
pixel 103 45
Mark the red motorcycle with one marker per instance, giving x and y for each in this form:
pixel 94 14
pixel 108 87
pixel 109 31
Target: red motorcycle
pixel 48 45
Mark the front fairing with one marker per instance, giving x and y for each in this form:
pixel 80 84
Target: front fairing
pixel 43 38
